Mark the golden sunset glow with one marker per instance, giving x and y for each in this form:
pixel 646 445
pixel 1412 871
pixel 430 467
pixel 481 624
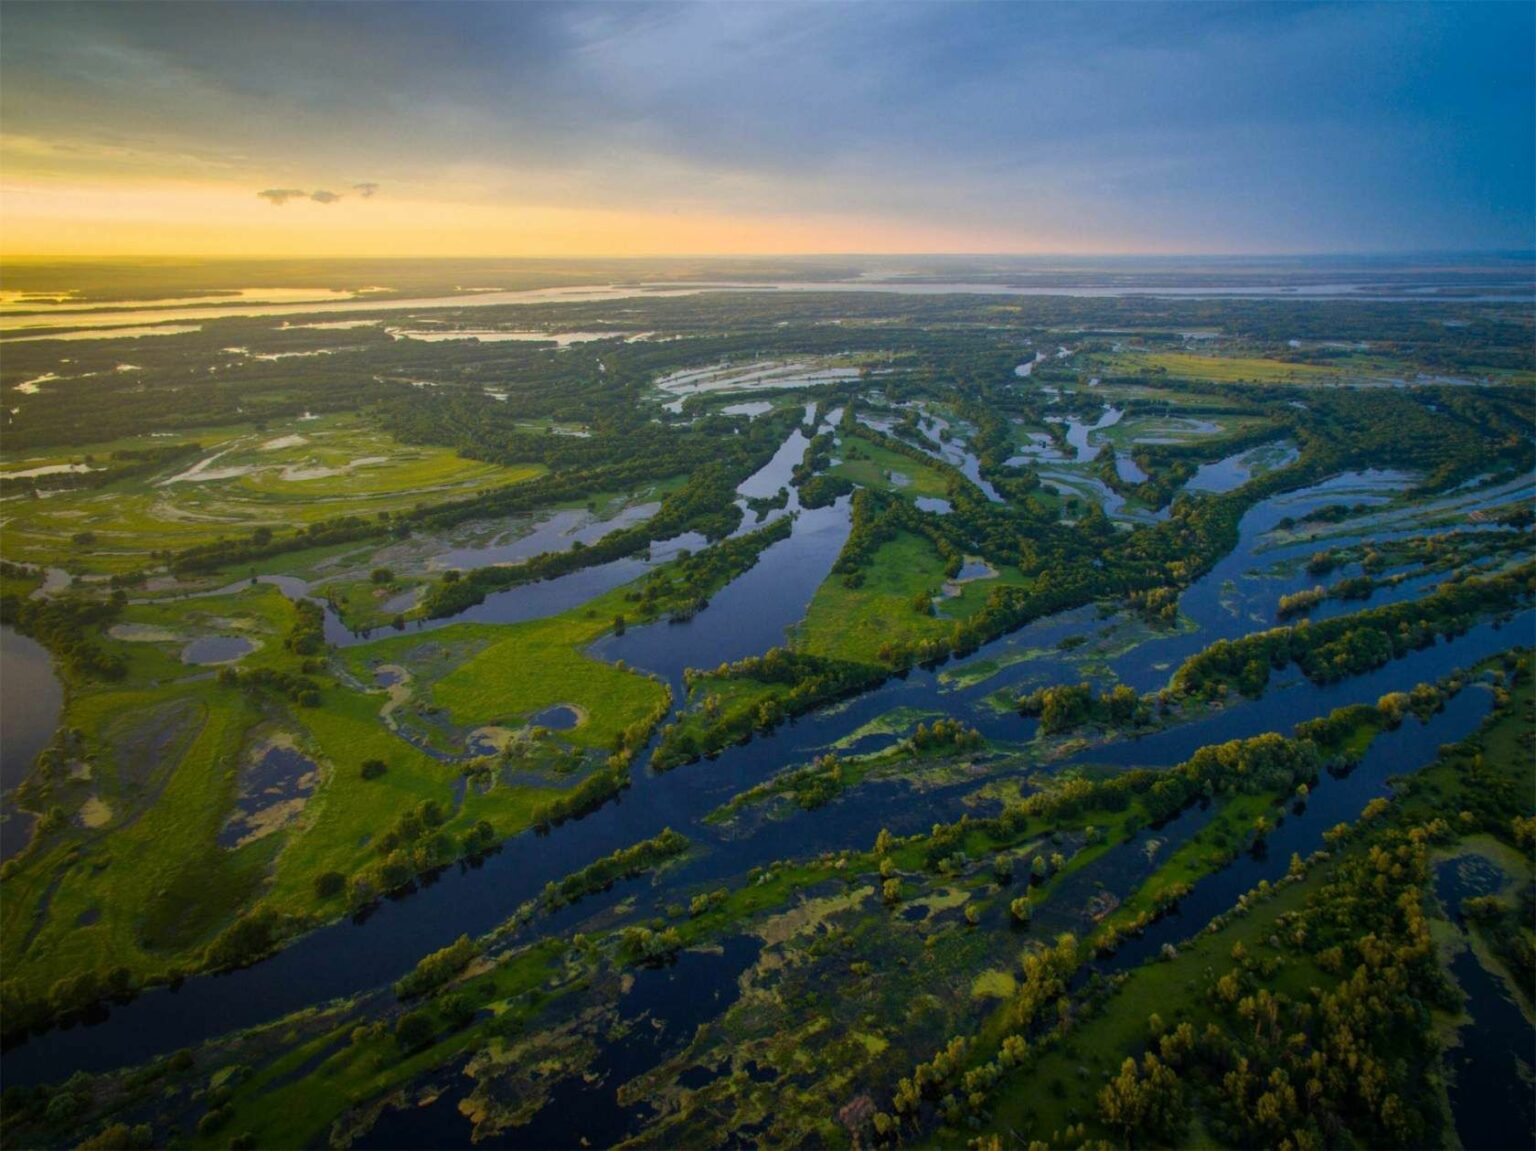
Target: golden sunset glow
pixel 183 218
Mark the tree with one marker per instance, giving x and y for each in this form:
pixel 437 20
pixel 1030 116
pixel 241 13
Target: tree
pixel 120 1137
pixel 414 1030
pixel 1149 1103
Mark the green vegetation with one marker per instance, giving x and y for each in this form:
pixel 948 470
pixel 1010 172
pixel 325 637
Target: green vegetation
pixel 834 983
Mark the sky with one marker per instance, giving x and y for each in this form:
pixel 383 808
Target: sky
pixel 575 129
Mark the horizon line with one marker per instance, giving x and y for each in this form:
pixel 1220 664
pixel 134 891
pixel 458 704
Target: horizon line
pixel 1374 253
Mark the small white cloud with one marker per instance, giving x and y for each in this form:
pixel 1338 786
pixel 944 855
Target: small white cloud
pixel 321 196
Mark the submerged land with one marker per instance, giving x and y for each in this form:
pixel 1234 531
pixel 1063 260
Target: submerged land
pixel 788 703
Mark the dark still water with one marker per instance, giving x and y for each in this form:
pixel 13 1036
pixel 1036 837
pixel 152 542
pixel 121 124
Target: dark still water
pixel 1492 1101
pixel 31 699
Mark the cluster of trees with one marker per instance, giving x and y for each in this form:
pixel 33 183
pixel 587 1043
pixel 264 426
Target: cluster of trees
pixel 760 506
pixel 820 783
pixel 297 688
pixel 1061 707
pixel 683 587
pixel 68 626
pixel 1301 602
pixel 945 735
pixel 1268 763
pixel 252 936
pixel 1347 645
pixel 1354 1065
pixel 801 681
pixel 953 1080
pixel 23 1010
pixel 416 843
pixel 1145 1102
pixel 816 488
pixel 643 946
pixel 1158 605
pixel 434 970
pixel 307 635
pixel 624 863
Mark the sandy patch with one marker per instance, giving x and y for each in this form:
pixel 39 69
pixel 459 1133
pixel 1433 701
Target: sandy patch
pixel 48 470
pixel 94 813
pixel 494 737
pixel 204 471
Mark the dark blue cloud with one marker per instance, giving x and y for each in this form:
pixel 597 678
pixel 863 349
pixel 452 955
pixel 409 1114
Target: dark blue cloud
pixel 1244 126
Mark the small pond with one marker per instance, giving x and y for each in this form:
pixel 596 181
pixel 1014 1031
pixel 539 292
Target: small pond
pixel 557 718
pixel 212 649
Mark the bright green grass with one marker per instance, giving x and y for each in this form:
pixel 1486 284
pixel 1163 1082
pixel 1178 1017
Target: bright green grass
pixel 854 623
pixel 1222 369
pixel 343 814
pixel 527 667
pixel 874 464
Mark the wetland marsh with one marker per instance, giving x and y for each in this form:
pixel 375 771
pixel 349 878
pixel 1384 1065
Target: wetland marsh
pixel 757 716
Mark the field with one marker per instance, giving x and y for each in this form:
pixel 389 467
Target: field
pixel 874 466
pixel 854 623
pixel 286 475
pixel 1225 369
pixel 520 670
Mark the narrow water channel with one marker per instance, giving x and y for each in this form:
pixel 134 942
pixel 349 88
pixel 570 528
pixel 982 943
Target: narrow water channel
pixel 1491 1065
